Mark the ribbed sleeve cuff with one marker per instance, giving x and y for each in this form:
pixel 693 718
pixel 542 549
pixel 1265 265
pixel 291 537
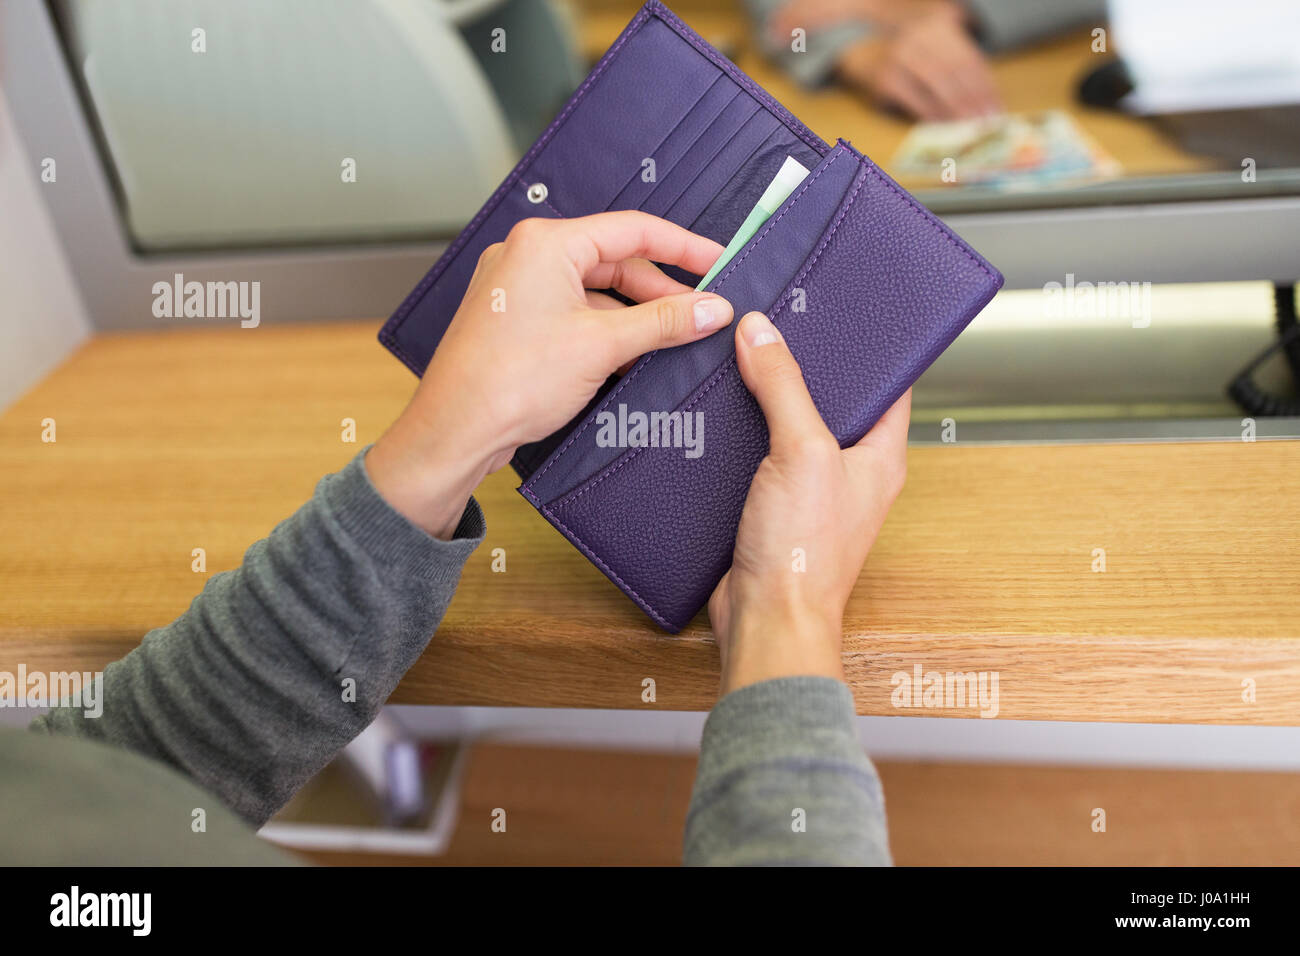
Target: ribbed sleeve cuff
pixel 814 66
pixel 1002 24
pixel 775 711
pixel 776 755
pixel 386 536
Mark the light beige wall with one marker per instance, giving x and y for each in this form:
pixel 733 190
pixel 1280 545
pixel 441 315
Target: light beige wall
pixel 42 316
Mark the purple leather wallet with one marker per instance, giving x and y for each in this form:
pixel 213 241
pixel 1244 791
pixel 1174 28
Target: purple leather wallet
pixel 865 284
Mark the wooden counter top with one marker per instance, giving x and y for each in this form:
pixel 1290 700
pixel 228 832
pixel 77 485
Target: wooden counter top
pixel 170 441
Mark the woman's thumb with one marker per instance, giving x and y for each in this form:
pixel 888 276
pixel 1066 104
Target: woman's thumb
pixel 773 376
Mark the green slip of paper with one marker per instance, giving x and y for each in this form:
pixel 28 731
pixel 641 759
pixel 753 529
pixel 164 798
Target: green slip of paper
pixel 791 174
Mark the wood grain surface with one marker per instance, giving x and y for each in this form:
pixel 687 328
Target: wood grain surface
pixel 171 441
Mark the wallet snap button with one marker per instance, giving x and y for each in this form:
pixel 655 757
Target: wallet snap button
pixel 537 192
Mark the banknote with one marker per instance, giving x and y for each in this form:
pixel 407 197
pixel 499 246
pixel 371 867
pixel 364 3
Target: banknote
pixel 788 177
pixel 1015 150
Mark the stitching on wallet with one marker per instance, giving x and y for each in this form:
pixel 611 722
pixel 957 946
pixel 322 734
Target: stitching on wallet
pixel 726 274
pixel 732 267
pixel 927 216
pixel 389 337
pixel 598 561
pixel 717 376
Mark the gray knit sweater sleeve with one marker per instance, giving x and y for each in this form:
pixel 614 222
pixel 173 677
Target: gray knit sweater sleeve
pixel 1006 24
pixel 279 663
pixel 813 62
pixel 783 780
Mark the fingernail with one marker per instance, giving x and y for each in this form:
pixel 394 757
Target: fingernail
pixel 759 330
pixel 711 313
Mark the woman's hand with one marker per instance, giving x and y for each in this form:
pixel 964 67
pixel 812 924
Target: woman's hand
pixel 812 514
pixel 530 345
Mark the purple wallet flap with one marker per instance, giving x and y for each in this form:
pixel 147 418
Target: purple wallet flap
pixel 866 285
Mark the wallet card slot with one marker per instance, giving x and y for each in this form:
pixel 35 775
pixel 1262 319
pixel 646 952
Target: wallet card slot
pixel 754 279
pixel 735 122
pixel 722 168
pixel 677 143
